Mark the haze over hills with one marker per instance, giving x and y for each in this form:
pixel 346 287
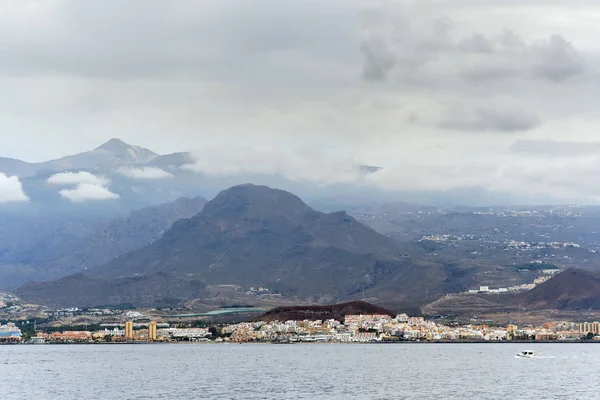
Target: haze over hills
pixel 111 154
pixel 72 199
pixel 256 236
pixel 55 248
pixel 128 177
pixel 119 178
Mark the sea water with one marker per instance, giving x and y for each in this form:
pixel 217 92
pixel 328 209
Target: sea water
pixel 299 371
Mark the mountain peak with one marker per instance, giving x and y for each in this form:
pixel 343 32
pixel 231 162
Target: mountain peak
pixel 256 200
pixel 121 149
pixel 114 144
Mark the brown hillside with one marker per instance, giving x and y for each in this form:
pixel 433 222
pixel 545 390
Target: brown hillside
pixel 312 313
pixel 572 289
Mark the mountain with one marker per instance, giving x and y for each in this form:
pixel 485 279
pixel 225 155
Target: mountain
pixel 159 289
pixel 572 289
pixel 56 247
pixel 139 229
pixel 138 177
pixel 313 313
pixel 11 167
pixel 111 154
pixel 257 236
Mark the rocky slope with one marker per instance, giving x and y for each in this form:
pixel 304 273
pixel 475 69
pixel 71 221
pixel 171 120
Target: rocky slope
pixel 55 247
pixel 572 289
pixel 256 236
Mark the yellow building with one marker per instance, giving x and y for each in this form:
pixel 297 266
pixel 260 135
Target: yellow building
pixel 129 330
pixel 511 331
pixel 152 330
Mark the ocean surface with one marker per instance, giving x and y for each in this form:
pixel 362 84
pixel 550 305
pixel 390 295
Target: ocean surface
pixel 299 371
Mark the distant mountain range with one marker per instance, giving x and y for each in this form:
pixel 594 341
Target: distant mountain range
pixel 112 154
pixel 254 236
pixel 127 247
pixel 117 178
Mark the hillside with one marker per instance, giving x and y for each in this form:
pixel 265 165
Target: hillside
pixel 572 289
pixel 313 313
pixel 138 230
pixel 111 154
pixel 58 246
pixel 256 236
pixel 83 291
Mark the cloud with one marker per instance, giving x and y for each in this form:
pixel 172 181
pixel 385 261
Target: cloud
pixel 556 148
pixel 74 178
pixel 435 177
pixel 87 192
pixel 309 165
pixel 394 46
pixel 86 186
pixel 380 84
pixel 144 173
pixel 499 116
pixel 11 189
pixel 556 59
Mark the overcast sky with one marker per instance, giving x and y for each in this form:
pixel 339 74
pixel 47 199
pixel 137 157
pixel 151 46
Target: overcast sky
pixel 500 94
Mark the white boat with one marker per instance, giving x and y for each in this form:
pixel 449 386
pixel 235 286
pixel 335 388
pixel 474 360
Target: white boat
pixel 526 354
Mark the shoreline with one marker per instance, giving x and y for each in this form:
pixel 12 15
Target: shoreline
pixel 322 343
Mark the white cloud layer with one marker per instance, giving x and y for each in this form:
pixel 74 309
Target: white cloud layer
pixel 75 178
pixel 11 190
pixel 149 173
pixel 86 186
pixel 408 85
pixel 88 192
pixel 308 165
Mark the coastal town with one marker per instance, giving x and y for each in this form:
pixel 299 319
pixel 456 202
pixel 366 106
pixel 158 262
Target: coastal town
pixel 353 329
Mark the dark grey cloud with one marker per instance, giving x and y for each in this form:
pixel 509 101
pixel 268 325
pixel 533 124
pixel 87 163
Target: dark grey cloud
pixel 392 46
pixel 556 60
pixel 379 60
pixel 555 148
pixel 498 117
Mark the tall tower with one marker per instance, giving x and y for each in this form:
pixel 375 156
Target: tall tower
pixel 152 330
pixel 129 330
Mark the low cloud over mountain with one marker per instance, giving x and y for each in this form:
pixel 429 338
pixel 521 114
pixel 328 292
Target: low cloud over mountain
pixel 11 189
pixel 144 173
pixel 76 178
pixel 413 86
pixel 88 191
pixel 86 186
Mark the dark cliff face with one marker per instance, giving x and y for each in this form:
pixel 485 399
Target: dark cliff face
pixel 572 289
pixel 256 236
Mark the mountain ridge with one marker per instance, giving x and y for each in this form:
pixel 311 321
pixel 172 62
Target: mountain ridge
pixel 252 235
pixel 78 245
